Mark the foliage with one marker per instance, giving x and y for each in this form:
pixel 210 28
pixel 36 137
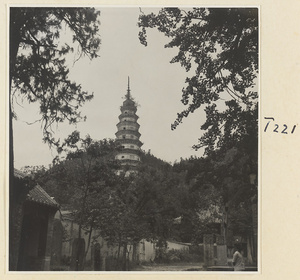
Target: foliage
pixel 84 179
pixel 221 46
pixel 124 209
pixel 33 170
pixel 38 69
pixel 38 73
pixel 220 192
pixel 143 207
pixel 177 256
pixel 90 168
pixel 118 219
pixel 166 204
pixel 89 165
pixel 112 263
pixel 150 160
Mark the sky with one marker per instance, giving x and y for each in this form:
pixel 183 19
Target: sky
pixel 155 83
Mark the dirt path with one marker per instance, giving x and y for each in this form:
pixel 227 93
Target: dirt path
pixel 170 267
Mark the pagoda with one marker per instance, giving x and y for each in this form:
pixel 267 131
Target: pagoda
pixel 128 133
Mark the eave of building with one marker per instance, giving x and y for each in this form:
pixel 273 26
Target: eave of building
pixel 127 132
pixel 129 151
pixel 122 123
pixel 36 193
pixel 130 141
pixel 129 103
pixel 128 108
pixel 132 115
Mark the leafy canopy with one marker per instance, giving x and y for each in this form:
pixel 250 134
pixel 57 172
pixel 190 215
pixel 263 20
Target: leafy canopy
pixel 38 69
pixel 221 46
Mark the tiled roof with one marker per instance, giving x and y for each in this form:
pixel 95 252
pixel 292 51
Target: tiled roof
pixel 37 193
pixel 181 243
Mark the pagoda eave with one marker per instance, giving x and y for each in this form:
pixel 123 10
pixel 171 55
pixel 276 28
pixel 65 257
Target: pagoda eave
pixel 127 132
pixel 130 141
pixel 129 115
pixel 122 123
pixel 130 151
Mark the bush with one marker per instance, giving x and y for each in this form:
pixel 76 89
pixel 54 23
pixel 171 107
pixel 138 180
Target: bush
pixel 197 250
pixel 113 264
pixel 175 256
pixel 65 260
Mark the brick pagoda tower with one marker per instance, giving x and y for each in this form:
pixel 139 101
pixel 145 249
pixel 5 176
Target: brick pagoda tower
pixel 128 133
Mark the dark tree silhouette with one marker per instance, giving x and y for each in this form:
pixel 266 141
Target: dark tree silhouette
pixel 38 73
pixel 221 46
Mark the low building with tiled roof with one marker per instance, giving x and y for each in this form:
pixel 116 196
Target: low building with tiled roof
pixel 37 193
pixel 37 214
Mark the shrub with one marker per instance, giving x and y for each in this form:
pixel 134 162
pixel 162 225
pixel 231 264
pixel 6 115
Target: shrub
pixel 173 256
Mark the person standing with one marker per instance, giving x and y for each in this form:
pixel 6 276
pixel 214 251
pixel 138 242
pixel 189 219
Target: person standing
pixel 238 260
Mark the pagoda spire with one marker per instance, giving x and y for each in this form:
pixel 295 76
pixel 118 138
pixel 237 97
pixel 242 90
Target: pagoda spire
pixel 128 90
pixel 128 135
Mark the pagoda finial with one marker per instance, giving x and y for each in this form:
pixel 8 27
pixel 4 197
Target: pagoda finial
pixel 128 90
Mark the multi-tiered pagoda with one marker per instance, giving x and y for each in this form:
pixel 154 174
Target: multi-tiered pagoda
pixel 128 133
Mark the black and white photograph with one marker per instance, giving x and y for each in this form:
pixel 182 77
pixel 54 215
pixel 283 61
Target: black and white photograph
pixel 133 139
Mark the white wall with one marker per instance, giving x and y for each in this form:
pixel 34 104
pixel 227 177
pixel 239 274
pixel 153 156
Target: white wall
pixel 177 246
pixel 146 251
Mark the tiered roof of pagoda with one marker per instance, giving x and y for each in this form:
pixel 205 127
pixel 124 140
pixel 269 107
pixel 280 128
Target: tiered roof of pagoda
pixel 128 134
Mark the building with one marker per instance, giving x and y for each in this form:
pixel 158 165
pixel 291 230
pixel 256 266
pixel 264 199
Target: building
pixel 128 133
pixel 31 247
pixel 96 253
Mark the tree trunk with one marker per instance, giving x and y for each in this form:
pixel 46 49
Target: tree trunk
pixel 80 225
pixel 119 249
pixel 135 257
pixel 89 240
pixel 249 249
pixel 124 264
pixel 77 258
pixel 128 258
pixel 15 205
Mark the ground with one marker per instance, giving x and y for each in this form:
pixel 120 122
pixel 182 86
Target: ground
pixel 170 267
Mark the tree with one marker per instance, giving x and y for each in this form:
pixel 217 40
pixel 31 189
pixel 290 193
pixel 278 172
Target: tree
pixel 203 199
pixel 140 206
pixel 85 180
pixel 221 46
pixel 119 218
pixel 122 209
pixel 222 192
pixel 38 70
pixel 38 73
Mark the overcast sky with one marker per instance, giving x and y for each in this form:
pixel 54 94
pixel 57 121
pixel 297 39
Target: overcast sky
pixel 155 84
